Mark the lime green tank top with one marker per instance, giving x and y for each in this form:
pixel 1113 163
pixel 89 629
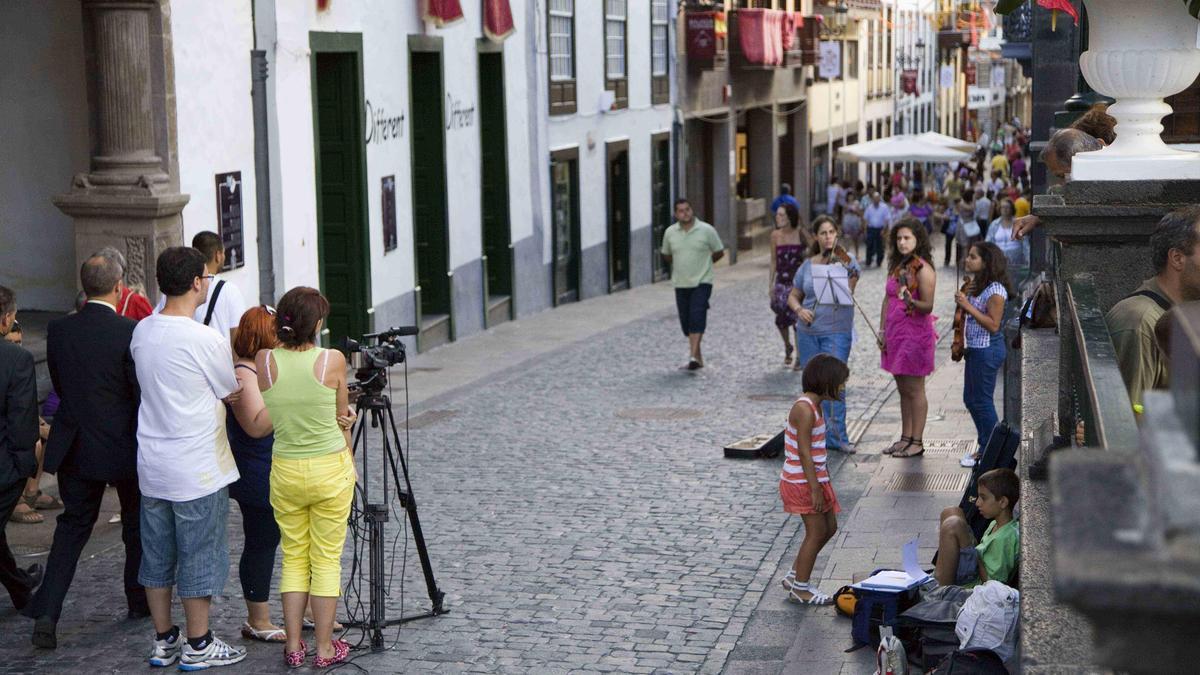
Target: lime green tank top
pixel 303 410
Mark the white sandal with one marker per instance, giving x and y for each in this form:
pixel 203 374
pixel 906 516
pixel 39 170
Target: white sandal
pixel 788 580
pixel 815 597
pixel 272 635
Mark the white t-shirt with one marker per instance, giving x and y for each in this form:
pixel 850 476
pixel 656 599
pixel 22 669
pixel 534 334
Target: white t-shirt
pixel 184 369
pixel 228 313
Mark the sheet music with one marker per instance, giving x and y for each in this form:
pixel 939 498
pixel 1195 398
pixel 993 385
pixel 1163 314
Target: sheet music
pixel 832 283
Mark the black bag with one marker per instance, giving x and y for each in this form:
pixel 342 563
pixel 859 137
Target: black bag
pixel 1000 452
pixel 929 626
pixel 981 662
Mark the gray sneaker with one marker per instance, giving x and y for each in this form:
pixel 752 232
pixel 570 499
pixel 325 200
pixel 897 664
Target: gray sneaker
pixel 166 652
pixel 217 653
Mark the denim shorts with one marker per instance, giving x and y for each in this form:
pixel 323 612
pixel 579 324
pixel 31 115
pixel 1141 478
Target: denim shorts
pixel 968 566
pixel 184 544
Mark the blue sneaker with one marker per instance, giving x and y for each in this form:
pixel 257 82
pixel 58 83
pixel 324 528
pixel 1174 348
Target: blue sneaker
pixel 166 652
pixel 217 653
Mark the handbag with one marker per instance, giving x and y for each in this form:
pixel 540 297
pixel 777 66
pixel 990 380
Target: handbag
pixel 971 228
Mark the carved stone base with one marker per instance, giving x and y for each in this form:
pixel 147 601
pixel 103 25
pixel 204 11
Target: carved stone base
pixel 138 223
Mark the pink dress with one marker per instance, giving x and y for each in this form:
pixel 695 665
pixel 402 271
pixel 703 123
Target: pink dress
pixel 910 340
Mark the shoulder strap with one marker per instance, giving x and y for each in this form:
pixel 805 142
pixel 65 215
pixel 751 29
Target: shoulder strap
pixel 1158 299
pixel 242 365
pixel 212 302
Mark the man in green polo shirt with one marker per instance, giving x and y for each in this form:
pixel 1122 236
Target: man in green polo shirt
pixel 1131 322
pixel 690 247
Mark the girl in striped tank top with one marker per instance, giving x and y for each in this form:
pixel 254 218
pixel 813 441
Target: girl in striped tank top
pixel 804 482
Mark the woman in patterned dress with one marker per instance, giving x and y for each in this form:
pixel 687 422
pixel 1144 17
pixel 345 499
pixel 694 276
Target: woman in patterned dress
pixel 789 244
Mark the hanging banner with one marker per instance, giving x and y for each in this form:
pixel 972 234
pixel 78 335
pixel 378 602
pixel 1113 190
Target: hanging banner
pixel 701 35
pixel 829 65
pixel 497 20
pixel 908 82
pixel 947 77
pixel 998 76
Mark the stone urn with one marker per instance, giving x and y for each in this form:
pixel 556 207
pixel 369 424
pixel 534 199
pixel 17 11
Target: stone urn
pixel 1139 53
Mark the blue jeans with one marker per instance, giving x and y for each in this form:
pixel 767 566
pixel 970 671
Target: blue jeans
pixel 874 245
pixel 979 386
pixel 184 543
pixel 834 412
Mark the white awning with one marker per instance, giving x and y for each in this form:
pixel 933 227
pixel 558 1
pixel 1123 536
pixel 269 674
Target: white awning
pixel 903 148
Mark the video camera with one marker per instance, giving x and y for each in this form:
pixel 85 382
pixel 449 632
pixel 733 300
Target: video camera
pixel 374 355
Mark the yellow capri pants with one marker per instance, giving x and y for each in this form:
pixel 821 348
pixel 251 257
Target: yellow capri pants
pixel 312 499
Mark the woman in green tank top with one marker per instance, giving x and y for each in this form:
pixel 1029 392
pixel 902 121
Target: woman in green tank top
pixel 312 470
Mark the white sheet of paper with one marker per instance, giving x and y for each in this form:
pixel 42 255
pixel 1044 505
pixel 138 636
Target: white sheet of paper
pixel 832 283
pixel 911 566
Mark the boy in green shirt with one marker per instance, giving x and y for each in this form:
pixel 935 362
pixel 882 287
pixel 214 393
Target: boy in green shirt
pixel 690 247
pixel 962 562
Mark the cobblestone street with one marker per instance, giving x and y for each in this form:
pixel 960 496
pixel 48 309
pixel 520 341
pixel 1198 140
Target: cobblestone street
pixel 577 507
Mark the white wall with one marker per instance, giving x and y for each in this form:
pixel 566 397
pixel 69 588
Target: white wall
pixel 212 43
pixel 43 144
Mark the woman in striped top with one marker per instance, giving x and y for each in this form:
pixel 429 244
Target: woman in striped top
pixel 804 468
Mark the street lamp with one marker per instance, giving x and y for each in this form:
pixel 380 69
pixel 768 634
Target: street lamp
pixel 841 15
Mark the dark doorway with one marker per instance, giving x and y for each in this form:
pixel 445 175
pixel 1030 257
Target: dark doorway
pixel 660 204
pixel 497 239
pixel 708 139
pixel 342 241
pixel 787 153
pixel 430 227
pixel 618 215
pixel 564 204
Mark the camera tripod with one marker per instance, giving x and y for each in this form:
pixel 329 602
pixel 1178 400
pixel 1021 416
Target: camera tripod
pixel 375 409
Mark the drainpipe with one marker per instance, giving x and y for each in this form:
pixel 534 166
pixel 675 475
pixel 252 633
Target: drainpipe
pixel 262 176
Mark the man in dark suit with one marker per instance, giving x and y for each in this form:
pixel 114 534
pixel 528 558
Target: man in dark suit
pixel 18 438
pixel 93 441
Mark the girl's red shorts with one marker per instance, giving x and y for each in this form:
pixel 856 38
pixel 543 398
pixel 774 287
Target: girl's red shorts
pixel 797 498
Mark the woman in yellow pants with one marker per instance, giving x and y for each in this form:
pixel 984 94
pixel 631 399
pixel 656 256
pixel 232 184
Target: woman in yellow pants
pixel 312 469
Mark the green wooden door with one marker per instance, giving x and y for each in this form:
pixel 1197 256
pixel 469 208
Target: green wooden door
pixel 431 235
pixel 496 235
pixel 341 211
pixel 660 175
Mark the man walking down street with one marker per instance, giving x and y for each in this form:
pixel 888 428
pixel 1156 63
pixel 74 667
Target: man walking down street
pixel 224 305
pixel 878 215
pixel 184 463
pixel 689 248
pixel 93 441
pixel 18 438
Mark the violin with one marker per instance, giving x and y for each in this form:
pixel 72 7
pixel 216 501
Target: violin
pixel 908 279
pixel 838 253
pixel 958 346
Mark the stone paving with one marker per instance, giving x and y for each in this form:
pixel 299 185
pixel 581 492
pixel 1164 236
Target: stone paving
pixel 570 529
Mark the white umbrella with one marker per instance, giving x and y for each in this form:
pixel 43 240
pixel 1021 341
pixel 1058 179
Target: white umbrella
pixel 904 148
pixel 947 141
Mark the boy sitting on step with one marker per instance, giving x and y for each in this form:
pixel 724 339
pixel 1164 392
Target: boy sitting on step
pixel 963 562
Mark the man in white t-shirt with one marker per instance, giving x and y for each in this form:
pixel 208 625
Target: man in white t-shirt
pixel 184 369
pixel 223 302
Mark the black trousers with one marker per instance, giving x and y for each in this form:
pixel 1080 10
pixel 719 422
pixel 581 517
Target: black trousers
pixel 14 579
pixel 258 553
pixel 81 501
pixel 874 245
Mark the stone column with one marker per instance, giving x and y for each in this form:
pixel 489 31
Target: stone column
pixel 127 199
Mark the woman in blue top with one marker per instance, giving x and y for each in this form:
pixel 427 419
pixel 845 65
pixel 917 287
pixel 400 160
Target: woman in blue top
pixel 825 327
pixel 984 304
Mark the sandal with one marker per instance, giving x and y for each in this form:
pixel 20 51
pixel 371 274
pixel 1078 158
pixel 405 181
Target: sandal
pixel 341 651
pixel 899 445
pixel 814 597
pixel 269 635
pixel 44 502
pixel 787 355
pixel 907 453
pixel 308 624
pixel 788 580
pixel 28 516
pixel 295 659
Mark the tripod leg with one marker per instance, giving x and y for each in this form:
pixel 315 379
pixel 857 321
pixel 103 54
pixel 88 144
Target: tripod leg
pixel 436 596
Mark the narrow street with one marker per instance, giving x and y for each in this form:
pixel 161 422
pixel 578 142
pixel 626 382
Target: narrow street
pixel 577 507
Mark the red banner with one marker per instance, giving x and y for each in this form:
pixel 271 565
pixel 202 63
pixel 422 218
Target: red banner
pixel 702 35
pixel 497 20
pixel 442 12
pixel 969 71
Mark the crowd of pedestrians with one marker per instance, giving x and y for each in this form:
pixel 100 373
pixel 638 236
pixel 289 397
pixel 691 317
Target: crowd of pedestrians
pixel 181 408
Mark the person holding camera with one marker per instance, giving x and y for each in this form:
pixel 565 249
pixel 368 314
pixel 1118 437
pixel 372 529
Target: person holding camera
pixel 312 474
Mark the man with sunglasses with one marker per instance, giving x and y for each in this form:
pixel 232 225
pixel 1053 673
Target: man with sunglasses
pixel 93 442
pixel 18 438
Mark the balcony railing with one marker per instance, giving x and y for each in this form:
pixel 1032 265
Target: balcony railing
pixel 1098 393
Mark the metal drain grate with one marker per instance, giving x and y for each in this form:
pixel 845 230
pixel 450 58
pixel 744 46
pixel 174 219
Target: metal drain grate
pixel 428 418
pixel 424 369
pixel 26 550
pixel 662 414
pixel 949 447
pixel 772 398
pixel 927 482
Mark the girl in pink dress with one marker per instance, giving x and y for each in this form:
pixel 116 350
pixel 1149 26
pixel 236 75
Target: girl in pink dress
pixel 907 338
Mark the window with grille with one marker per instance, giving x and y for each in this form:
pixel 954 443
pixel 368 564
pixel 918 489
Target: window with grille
pixel 616 20
pixel 561 29
pixel 660 87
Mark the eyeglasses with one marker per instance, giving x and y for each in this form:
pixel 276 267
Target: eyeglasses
pixel 16 327
pixel 208 276
pixel 270 309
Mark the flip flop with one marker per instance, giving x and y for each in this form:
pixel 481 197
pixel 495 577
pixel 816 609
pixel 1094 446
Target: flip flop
pixel 30 517
pixel 45 502
pixel 272 635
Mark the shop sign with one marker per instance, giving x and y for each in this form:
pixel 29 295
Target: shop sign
pixel 388 192
pixel 830 62
pixel 229 219
pixel 979 98
pixel 908 82
pixel 458 114
pixel 381 126
pixel 702 35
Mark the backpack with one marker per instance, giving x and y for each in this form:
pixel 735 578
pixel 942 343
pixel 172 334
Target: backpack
pixel 1000 452
pixel 975 662
pixel 890 657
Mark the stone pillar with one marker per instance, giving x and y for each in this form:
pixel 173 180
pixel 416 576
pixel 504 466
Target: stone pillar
pixel 128 199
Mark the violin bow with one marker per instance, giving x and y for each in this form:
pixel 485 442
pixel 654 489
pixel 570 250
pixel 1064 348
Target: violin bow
pixel 829 256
